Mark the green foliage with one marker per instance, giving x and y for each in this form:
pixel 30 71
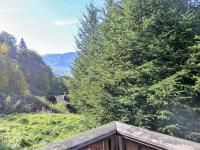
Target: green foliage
pixel 23 71
pixel 139 63
pixel 38 75
pixel 58 85
pixel 26 131
pixel 12 78
pixel 3 146
pixel 56 107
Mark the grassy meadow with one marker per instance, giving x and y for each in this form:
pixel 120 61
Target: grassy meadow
pixel 31 131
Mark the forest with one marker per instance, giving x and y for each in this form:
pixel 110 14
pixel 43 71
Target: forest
pixel 24 76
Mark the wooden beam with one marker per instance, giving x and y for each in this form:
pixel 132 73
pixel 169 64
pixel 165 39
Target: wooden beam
pixel 84 139
pixel 119 133
pixel 153 139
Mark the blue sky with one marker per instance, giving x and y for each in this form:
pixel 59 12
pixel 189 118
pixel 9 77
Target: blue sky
pixel 48 26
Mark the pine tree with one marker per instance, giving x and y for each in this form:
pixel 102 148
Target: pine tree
pixel 141 67
pixel 88 25
pixel 86 35
pixel 22 44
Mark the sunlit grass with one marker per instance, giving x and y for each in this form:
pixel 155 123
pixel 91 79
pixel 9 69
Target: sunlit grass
pixel 30 131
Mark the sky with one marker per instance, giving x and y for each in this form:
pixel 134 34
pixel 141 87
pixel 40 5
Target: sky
pixel 47 26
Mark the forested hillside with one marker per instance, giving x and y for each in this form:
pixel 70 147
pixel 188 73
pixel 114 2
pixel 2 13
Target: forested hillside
pixel 139 62
pixel 23 77
pixel 11 76
pixel 22 71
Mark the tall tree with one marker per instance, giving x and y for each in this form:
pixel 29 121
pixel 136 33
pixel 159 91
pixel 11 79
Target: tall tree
pixel 86 35
pixel 139 67
pixel 22 44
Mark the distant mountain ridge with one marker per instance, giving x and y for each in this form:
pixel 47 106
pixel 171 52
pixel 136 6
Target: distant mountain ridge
pixel 60 63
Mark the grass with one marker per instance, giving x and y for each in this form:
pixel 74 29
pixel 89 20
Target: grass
pixel 31 131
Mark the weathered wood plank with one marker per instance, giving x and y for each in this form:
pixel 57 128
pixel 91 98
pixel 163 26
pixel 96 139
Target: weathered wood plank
pixel 114 142
pixel 120 142
pixel 107 144
pixel 132 146
pixel 148 139
pixel 146 148
pixel 154 139
pixel 84 139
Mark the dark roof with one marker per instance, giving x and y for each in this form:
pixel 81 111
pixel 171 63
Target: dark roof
pixel 136 134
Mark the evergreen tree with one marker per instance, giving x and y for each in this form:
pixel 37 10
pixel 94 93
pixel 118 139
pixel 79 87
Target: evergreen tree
pixel 140 66
pixel 22 44
pixel 84 40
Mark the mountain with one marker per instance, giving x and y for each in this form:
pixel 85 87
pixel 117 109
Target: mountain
pixel 60 63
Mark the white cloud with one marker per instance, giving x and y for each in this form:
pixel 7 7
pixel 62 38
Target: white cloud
pixel 65 22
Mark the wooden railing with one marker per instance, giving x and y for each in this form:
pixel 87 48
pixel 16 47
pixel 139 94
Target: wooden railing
pixel 120 136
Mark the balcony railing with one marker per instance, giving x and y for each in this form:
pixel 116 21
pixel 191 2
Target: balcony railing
pixel 120 136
